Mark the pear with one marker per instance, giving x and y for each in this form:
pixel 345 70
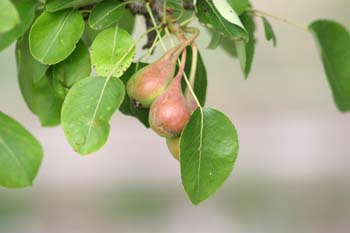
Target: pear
pixel 170 112
pixel 151 81
pixel 174 147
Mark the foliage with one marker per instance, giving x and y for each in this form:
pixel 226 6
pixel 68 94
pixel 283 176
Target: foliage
pixel 62 44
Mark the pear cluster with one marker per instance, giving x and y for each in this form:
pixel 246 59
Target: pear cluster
pixel 158 88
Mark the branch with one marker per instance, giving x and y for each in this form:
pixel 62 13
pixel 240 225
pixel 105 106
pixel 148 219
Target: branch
pixel 139 8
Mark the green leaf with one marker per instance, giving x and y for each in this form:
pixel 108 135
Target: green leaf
pixel 220 16
pixel 106 14
pixel 30 71
pixel 334 43
pixel 225 43
pixel 208 150
pixel 26 10
pixel 269 33
pixel 35 87
pixel 20 154
pixel 128 106
pixel 239 5
pixel 56 5
pixel 229 47
pixel 245 51
pixel 76 67
pixel 127 21
pixel 215 39
pixel 46 104
pixel 112 46
pixel 89 35
pixel 200 80
pixel 8 16
pixel 178 10
pixel 53 36
pixel 60 90
pixel 176 6
pixel 87 109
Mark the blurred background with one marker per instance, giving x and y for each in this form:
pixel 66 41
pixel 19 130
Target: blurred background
pixel 292 172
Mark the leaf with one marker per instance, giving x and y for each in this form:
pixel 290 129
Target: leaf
pixel 245 51
pixel 127 21
pixel 128 106
pixel 215 39
pixel 178 11
pixel 106 14
pixel 269 33
pixel 334 43
pixel 87 109
pixel 60 90
pixel 20 154
pixel 29 70
pixel 8 16
pixel 208 150
pixel 46 104
pixel 176 6
pixel 112 46
pixel 229 47
pixel 76 67
pixel 200 83
pixel 221 17
pixel 239 5
pixel 227 12
pixel 53 36
pixel 34 85
pixel 26 11
pixel 225 43
pixel 56 5
pixel 89 35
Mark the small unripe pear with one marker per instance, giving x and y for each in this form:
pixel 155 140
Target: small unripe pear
pixel 151 81
pixel 170 112
pixel 174 147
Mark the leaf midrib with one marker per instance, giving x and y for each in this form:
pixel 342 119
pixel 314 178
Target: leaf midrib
pixel 200 150
pixel 114 43
pixel 62 24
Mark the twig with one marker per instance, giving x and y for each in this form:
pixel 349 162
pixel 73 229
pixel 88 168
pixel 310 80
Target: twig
pixel 260 13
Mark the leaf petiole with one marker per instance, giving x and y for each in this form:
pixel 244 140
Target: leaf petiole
pixel 260 13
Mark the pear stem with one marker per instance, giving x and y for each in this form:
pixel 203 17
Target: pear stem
pixel 195 35
pixel 194 64
pixel 261 13
pixel 176 29
pixel 182 67
pixel 184 74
